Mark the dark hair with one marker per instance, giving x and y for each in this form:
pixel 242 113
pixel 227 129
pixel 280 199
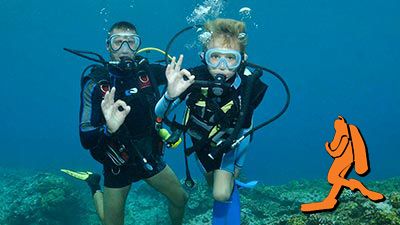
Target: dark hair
pixel 122 25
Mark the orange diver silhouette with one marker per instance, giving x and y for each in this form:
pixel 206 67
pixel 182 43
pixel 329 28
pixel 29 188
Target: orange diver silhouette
pixel 347 148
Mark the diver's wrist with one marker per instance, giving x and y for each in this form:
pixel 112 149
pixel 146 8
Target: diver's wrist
pixel 108 132
pixel 168 97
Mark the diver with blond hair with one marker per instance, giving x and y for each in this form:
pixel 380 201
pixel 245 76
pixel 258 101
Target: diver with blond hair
pixel 221 97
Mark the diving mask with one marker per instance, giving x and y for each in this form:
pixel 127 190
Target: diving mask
pixel 215 57
pixel 118 40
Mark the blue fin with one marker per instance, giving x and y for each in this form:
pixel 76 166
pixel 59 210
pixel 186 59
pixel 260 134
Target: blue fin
pixel 227 213
pixel 250 184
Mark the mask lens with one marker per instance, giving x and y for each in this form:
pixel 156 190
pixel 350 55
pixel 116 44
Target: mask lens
pixel 116 42
pixel 133 44
pixel 215 58
pixel 231 59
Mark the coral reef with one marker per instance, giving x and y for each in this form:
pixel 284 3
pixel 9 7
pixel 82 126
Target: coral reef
pixel 395 199
pixel 41 199
pixel 44 198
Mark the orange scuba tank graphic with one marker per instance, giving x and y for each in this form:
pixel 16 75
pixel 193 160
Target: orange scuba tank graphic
pixel 348 149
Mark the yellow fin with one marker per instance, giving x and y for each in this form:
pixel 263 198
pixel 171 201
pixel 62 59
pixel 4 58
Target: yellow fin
pixel 77 174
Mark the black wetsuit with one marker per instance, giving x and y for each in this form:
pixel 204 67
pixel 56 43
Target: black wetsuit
pixel 140 92
pixel 206 115
pixel 212 113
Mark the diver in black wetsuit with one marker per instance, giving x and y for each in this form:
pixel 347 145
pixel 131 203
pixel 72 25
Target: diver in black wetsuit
pixel 117 126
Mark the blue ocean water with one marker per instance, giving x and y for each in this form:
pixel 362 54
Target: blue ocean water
pixel 338 57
